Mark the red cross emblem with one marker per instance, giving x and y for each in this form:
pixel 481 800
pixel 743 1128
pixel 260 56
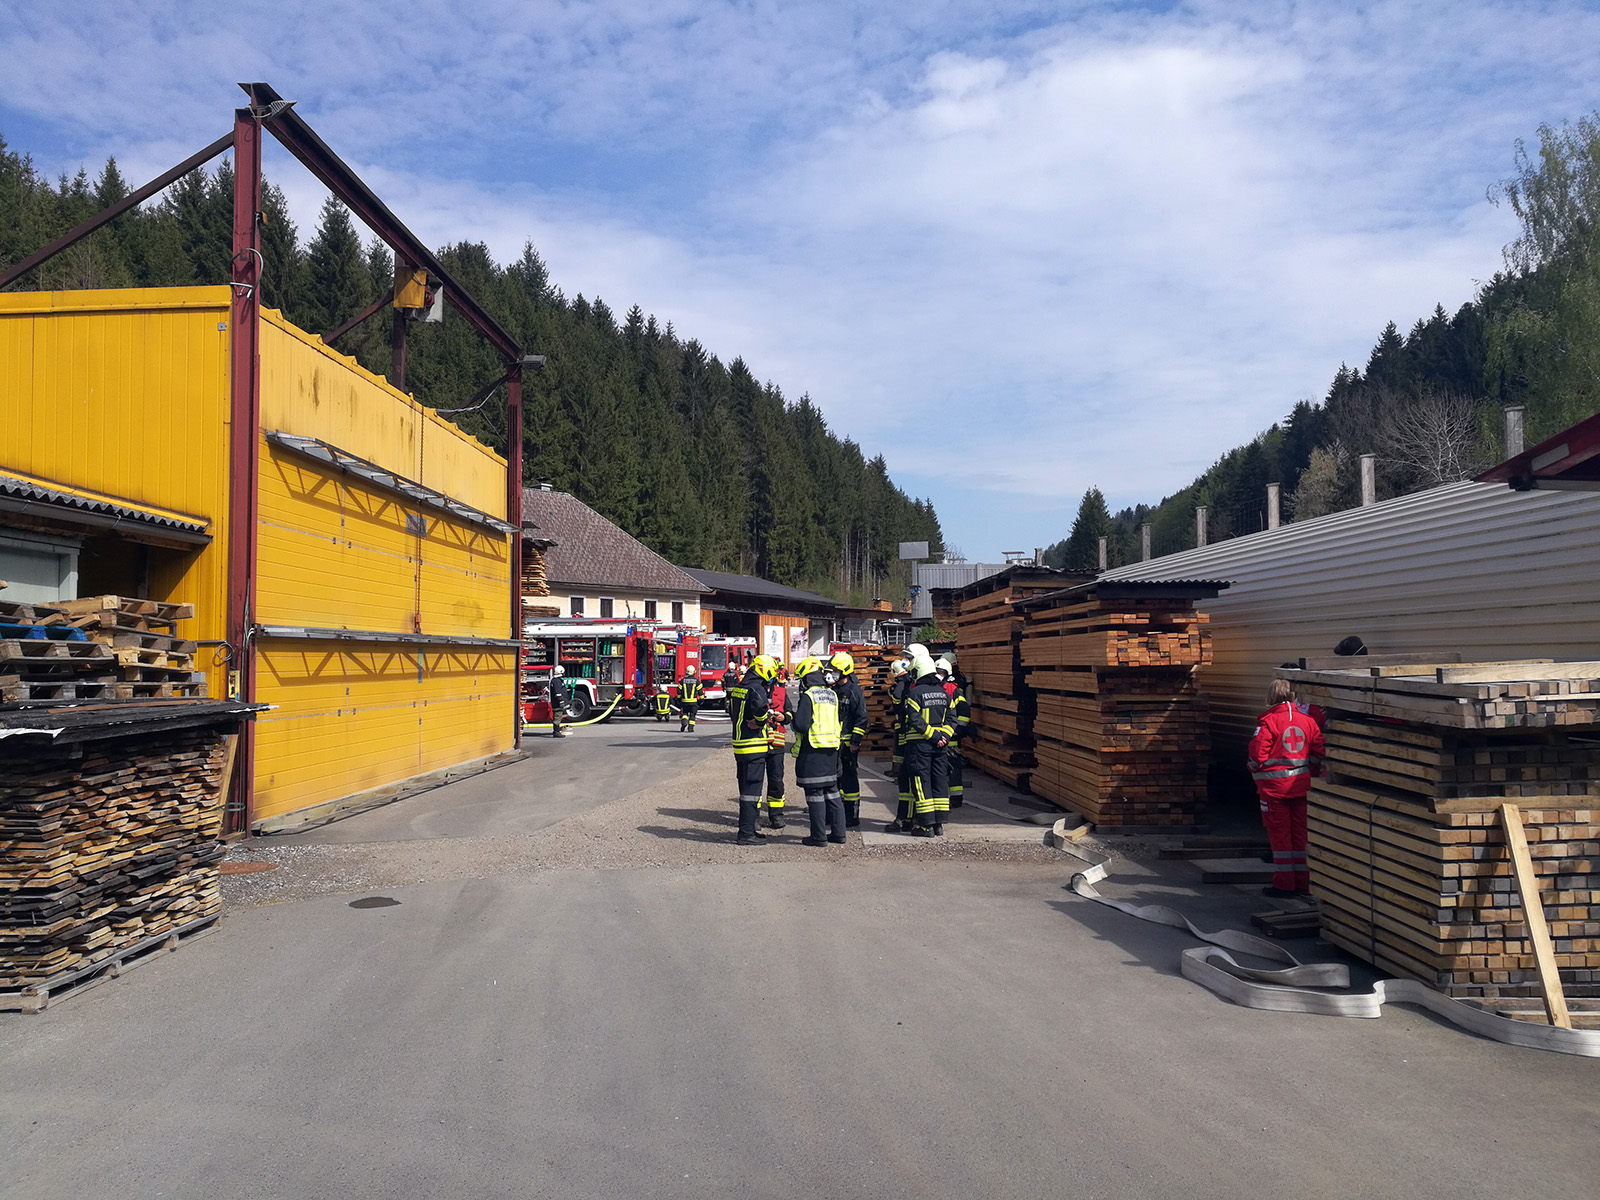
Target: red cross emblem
pixel 1294 741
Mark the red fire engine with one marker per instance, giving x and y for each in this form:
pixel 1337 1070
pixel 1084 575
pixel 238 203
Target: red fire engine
pixel 605 660
pixel 716 653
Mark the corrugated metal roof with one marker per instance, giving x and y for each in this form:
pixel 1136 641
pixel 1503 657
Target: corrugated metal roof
pixel 101 512
pixel 723 583
pixel 928 576
pixel 1467 567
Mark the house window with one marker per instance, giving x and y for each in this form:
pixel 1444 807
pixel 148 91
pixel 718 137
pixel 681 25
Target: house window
pixel 649 610
pixel 606 607
pixel 677 612
pixel 577 606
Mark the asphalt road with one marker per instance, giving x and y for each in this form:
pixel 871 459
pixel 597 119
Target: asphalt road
pixel 839 1027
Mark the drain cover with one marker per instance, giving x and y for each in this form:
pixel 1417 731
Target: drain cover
pixel 374 902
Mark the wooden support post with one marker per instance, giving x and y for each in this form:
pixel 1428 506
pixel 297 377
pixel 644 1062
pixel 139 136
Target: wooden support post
pixel 1200 526
pixel 1103 556
pixel 1369 480
pixel 1274 504
pixel 1514 445
pixel 1144 543
pixel 1555 1000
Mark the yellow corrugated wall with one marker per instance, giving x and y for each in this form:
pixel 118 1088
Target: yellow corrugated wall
pixel 336 553
pixel 124 394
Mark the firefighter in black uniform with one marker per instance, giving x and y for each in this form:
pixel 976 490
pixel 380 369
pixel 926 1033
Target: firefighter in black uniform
pixel 955 686
pixel 927 734
pixel 819 734
pixel 905 810
pixel 853 717
pixel 748 702
pixel 690 693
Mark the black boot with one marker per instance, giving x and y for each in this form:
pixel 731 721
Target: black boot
pixel 774 817
pixel 852 813
pixel 747 823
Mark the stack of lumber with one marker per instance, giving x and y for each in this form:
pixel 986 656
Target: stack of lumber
pixel 1410 861
pixel 988 634
pixel 872 673
pixel 106 851
pixel 1122 732
pixel 534 580
pixel 97 648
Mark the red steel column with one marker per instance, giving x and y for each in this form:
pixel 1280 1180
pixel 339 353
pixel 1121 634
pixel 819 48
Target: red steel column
pixel 244 421
pixel 514 518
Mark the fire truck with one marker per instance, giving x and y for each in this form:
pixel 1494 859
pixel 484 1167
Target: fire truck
pixel 605 660
pixel 716 652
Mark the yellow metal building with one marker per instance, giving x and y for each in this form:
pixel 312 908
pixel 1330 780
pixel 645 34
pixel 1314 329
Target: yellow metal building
pixel 381 577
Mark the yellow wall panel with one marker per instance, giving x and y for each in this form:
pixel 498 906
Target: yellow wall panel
pixel 125 394
pixel 309 389
pixel 354 718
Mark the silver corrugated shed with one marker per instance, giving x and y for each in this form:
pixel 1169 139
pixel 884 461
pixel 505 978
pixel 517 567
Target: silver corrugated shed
pixel 945 575
pixel 1467 567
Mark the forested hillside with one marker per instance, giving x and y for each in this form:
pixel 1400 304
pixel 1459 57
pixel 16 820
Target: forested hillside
pixel 698 458
pixel 1428 403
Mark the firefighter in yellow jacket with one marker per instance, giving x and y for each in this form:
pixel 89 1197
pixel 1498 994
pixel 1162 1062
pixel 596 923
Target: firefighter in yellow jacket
pixel 690 693
pixel 819 734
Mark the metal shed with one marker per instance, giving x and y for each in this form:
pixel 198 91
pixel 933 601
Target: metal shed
pixel 1468 567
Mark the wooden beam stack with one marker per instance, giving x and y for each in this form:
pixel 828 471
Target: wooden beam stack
pixel 988 635
pixel 872 673
pixel 106 851
pixel 534 580
pixel 98 648
pixel 1409 857
pixel 1122 732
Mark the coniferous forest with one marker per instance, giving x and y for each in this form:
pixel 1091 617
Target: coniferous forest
pixel 696 457
pixel 1427 403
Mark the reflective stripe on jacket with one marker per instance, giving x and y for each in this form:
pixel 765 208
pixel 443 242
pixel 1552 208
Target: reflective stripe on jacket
pixel 747 709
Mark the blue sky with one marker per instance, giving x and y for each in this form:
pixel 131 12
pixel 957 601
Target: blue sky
pixel 1019 248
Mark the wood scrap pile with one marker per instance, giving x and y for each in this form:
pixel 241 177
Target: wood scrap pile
pixel 534 580
pixel 107 851
pixel 1122 732
pixel 988 634
pixel 98 648
pixel 1410 845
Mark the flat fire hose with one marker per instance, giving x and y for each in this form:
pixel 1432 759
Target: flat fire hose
pixel 1285 989
pixel 575 724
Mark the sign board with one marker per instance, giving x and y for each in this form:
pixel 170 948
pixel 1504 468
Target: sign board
pixel 913 550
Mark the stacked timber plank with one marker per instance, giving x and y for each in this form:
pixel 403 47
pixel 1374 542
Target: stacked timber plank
pixel 988 635
pixel 534 580
pixel 98 648
pixel 872 673
pixel 1409 857
pixel 106 852
pixel 1122 731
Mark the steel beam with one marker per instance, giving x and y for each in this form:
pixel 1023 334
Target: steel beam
pixel 244 420
pixel 384 301
pixel 302 141
pixel 106 216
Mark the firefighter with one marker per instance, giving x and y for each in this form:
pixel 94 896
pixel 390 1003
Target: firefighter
pixel 779 710
pixel 927 734
pixel 853 714
pixel 961 722
pixel 690 693
pixel 818 738
pixel 748 702
pixel 663 699
pixel 1285 752
pixel 899 683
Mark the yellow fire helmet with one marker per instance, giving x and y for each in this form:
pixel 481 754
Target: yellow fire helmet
pixel 765 666
pixel 842 662
pixel 806 666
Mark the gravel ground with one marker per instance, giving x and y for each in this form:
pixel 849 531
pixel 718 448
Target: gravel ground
pixel 687 821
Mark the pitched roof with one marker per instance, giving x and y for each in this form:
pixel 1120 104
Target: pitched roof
pixel 752 585
pixel 591 551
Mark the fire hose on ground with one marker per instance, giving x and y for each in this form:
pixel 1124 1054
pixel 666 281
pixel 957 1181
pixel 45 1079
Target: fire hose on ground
pixel 530 727
pixel 1286 989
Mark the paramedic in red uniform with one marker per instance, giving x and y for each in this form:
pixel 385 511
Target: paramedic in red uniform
pixel 1285 752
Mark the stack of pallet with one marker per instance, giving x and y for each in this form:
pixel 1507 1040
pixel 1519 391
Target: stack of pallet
pixel 1122 732
pixel 999 741
pixel 106 853
pixel 1410 858
pixel 98 648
